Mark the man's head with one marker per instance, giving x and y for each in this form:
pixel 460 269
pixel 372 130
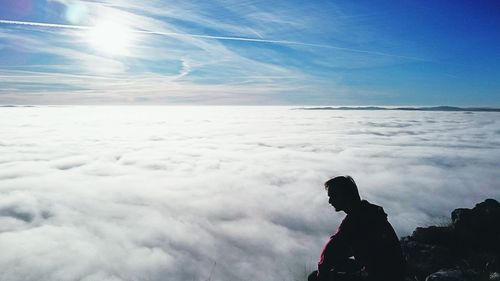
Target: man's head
pixel 343 193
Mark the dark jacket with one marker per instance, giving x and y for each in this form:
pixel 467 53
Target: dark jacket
pixel 365 234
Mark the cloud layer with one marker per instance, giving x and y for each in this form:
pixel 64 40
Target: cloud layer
pixel 219 193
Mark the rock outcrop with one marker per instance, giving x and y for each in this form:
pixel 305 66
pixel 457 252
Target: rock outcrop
pixel 466 250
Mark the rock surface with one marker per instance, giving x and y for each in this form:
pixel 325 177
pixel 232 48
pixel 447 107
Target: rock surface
pixel 451 275
pixel 466 250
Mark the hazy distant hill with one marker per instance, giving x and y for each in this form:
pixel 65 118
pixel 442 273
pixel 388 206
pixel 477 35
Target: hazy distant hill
pixel 435 108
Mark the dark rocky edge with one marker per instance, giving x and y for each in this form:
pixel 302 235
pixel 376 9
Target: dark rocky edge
pixel 466 249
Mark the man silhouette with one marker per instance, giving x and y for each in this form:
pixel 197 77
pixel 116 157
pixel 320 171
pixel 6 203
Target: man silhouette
pixel 364 234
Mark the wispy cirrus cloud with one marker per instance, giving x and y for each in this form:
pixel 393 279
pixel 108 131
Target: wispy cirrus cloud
pixel 185 48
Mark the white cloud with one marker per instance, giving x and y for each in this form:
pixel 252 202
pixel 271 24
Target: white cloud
pixel 230 193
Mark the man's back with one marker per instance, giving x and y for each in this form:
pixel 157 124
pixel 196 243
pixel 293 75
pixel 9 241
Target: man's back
pixel 373 242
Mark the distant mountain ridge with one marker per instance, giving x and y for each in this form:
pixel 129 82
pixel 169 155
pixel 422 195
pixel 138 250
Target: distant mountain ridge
pixel 434 108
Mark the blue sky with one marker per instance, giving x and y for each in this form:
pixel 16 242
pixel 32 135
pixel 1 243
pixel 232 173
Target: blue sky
pixel 250 52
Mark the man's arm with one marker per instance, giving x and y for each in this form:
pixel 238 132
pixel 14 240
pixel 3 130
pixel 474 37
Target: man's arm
pixel 335 251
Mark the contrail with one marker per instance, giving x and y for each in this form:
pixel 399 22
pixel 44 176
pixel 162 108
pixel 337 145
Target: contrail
pixel 42 24
pixel 229 38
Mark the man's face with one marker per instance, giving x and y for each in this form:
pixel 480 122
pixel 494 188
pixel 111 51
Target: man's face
pixel 335 200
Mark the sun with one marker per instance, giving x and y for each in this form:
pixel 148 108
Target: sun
pixel 111 38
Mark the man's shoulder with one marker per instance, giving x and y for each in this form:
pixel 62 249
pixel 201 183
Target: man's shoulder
pixel 366 216
pixel 372 210
pixel 366 203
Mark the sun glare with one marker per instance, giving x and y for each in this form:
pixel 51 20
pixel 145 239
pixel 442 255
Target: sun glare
pixel 111 38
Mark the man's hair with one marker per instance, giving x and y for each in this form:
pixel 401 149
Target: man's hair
pixel 343 185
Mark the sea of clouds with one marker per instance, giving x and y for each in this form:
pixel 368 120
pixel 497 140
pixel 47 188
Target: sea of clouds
pixel 220 193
